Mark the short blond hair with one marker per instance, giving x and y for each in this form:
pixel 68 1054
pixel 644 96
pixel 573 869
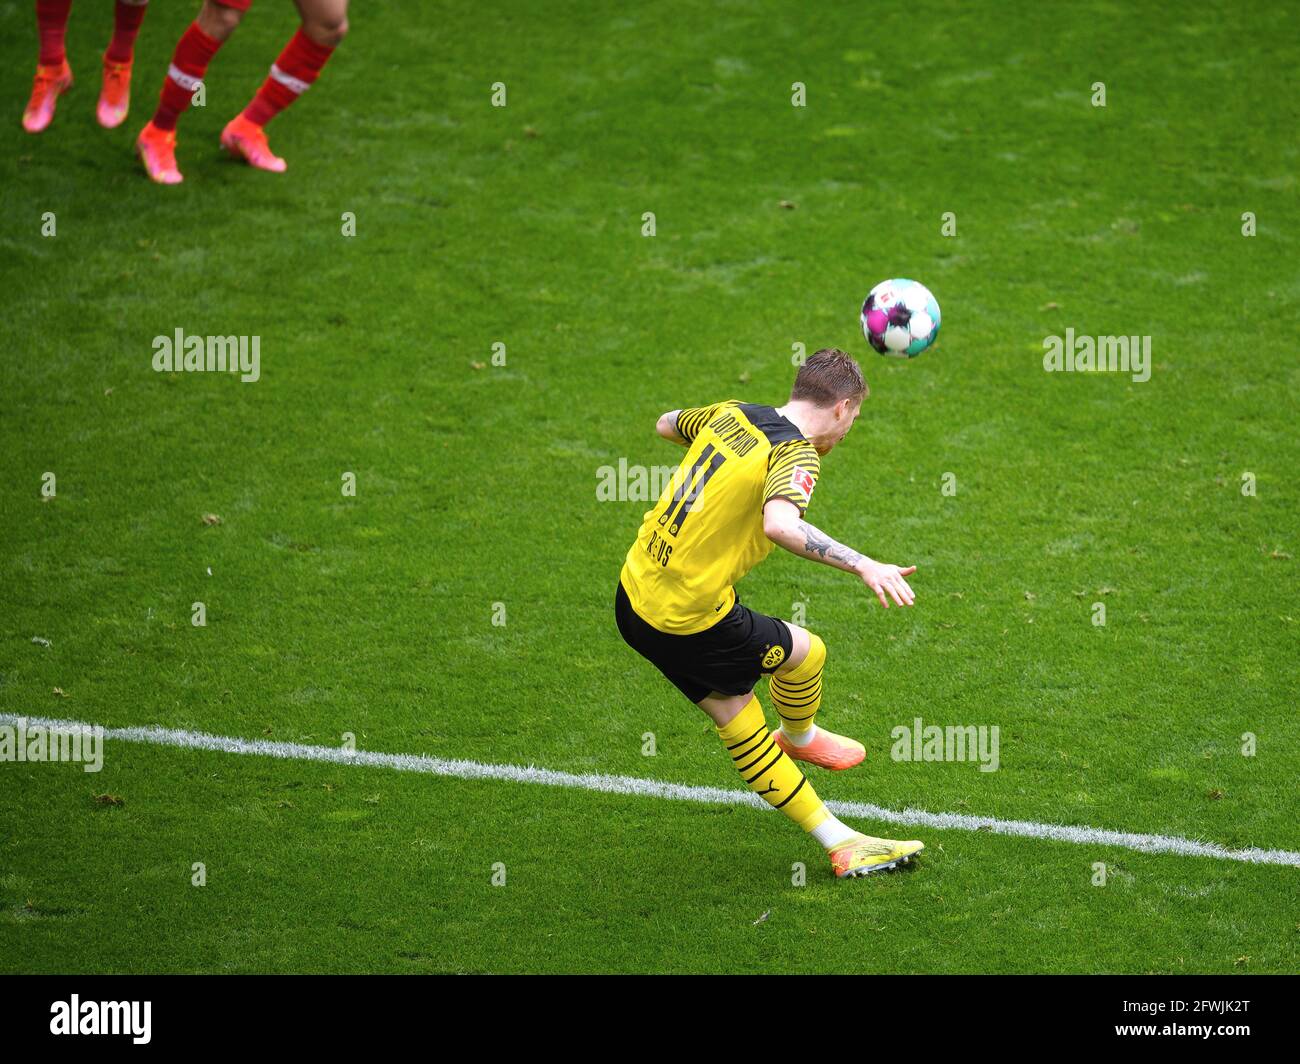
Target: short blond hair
pixel 829 376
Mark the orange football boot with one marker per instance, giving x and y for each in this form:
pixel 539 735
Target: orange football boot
pixel 50 83
pixel 247 141
pixel 826 750
pixel 115 96
pixel 863 854
pixel 157 150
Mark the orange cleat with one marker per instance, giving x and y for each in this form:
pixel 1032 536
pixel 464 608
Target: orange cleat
pixel 862 855
pixel 247 141
pixel 157 150
pixel 115 96
pixel 826 750
pixel 50 83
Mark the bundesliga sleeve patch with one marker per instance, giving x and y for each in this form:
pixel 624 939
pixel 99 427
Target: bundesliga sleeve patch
pixel 801 480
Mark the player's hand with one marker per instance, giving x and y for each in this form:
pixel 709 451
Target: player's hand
pixel 888 578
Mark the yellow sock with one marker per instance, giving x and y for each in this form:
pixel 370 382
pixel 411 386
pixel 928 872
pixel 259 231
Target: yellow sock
pixel 768 772
pixel 797 694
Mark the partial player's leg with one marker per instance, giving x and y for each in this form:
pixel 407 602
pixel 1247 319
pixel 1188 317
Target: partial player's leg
pixel 53 75
pixel 796 689
pixel 774 777
pixel 324 25
pixel 156 145
pixel 732 655
pixel 115 94
pixel 765 768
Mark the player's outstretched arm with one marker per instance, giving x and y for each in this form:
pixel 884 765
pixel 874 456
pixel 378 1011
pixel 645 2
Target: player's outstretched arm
pixel 784 526
pixel 667 428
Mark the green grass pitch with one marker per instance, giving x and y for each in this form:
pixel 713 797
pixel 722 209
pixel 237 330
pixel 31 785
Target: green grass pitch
pixel 476 484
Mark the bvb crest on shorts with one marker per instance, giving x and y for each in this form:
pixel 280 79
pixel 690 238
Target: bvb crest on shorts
pixel 774 656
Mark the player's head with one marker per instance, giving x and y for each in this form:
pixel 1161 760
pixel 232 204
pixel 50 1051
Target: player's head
pixel 830 386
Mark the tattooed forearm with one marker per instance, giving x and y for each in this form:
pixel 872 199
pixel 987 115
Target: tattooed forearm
pixel 818 544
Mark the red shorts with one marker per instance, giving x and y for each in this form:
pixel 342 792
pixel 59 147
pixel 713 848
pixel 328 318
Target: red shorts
pixel 238 5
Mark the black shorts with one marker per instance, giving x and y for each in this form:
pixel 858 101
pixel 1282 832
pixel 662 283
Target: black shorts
pixel 727 659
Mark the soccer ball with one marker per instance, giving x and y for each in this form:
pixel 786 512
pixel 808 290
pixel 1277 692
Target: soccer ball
pixel 900 318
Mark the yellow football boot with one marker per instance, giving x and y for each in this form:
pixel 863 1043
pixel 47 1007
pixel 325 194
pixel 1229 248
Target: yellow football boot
pixel 862 855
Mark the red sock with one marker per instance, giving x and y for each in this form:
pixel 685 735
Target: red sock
pixel 51 23
pixel 291 75
pixel 126 24
pixel 190 62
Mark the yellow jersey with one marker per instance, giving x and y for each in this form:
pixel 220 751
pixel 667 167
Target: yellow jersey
pixel 706 530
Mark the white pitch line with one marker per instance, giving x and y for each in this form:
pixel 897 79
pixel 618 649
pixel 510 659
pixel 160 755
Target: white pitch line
pixel 631 785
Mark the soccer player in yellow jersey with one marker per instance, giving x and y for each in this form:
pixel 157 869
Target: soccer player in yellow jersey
pixel 746 480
